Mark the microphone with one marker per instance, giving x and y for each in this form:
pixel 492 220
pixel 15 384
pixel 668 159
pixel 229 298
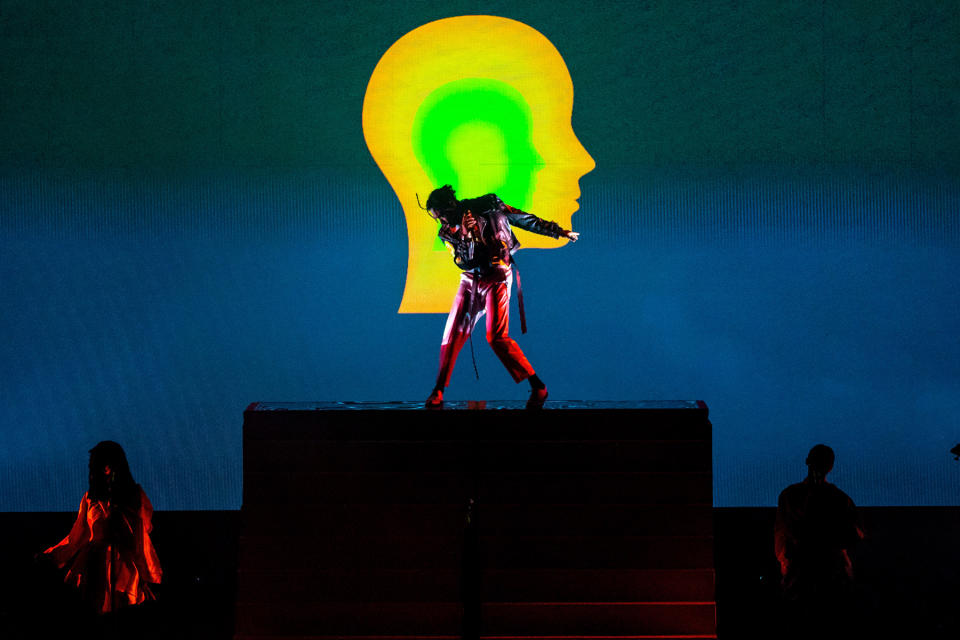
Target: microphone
pixel 471 232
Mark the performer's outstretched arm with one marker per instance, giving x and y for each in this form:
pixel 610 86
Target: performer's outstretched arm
pixel 530 222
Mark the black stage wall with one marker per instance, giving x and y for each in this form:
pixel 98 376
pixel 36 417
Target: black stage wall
pixel 908 570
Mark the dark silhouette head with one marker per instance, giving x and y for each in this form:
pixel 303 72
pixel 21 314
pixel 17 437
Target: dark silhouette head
pixel 110 477
pixel 820 461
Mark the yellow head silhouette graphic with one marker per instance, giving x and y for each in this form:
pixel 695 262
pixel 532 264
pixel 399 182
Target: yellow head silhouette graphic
pixel 482 103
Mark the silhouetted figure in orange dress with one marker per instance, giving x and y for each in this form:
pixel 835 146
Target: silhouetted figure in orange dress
pixel 108 553
pixel 817 525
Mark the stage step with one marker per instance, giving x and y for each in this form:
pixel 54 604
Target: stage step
pixel 569 456
pixel 261 553
pixel 591 521
pixel 408 421
pixel 275 487
pixel 434 618
pixel 530 519
pixel 458 637
pixel 359 584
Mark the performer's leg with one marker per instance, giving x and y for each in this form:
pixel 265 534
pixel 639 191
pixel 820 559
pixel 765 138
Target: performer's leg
pixel 456 331
pixel 498 322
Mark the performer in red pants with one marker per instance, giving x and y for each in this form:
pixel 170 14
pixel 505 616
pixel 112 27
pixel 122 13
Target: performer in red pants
pixel 478 231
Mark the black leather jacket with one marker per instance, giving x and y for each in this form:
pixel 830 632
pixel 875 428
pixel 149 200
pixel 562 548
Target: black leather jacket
pixel 495 241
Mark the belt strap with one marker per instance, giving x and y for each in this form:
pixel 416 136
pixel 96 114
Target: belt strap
pixel 523 315
pixel 469 316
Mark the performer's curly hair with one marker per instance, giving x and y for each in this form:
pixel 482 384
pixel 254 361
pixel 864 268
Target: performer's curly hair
pixel 442 200
pixel 118 487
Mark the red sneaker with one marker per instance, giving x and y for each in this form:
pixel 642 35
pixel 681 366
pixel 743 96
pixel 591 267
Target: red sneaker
pixel 537 398
pixel 435 401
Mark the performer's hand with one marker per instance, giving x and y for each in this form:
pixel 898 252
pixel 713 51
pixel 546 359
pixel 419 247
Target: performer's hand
pixel 470 223
pixel 573 235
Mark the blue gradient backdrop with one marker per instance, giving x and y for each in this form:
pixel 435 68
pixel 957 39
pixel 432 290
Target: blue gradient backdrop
pixel 190 222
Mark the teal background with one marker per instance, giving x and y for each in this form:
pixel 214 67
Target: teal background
pixel 191 221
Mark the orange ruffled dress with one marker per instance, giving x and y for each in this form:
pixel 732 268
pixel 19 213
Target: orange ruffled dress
pixel 109 555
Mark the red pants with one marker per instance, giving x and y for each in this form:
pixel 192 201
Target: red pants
pixel 493 297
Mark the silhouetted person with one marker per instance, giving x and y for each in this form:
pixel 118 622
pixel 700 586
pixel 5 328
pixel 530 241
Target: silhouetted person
pixel 108 553
pixel 816 527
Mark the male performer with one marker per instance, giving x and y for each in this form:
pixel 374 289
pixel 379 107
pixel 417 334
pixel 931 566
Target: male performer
pixel 478 232
pixel 817 525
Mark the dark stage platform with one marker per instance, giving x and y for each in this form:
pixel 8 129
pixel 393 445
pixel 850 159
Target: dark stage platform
pixel 588 519
pixel 387 519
